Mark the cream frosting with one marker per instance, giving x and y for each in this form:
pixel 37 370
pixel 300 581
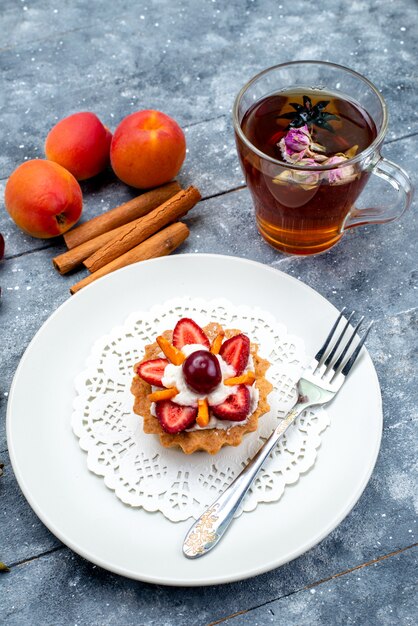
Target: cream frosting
pixel 174 377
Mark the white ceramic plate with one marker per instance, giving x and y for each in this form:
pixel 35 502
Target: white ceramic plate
pixel 75 504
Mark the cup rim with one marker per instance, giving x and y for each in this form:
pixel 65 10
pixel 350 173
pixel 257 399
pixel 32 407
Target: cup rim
pixel 358 157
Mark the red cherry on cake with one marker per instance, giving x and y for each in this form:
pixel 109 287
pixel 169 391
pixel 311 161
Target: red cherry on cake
pixel 202 371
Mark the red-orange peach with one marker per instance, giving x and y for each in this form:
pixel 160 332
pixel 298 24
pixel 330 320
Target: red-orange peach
pixel 147 149
pixel 43 198
pixel 80 143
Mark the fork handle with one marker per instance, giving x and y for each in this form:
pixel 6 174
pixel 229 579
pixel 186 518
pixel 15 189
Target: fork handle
pixel 211 526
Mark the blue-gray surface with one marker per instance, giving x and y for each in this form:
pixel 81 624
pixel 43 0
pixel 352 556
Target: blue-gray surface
pixel 189 59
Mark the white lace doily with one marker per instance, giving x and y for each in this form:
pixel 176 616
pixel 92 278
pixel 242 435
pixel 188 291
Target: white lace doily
pixel 144 474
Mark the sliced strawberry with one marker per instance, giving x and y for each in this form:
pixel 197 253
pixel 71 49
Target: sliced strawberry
pixel 152 371
pixel 173 417
pixel 235 352
pixel 236 407
pixel 186 331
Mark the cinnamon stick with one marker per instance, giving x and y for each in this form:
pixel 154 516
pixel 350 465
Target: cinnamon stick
pixel 67 261
pixel 137 231
pixel 120 215
pixel 158 245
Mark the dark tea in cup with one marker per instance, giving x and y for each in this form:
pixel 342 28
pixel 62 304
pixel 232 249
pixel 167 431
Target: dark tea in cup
pixel 318 209
pixel 308 151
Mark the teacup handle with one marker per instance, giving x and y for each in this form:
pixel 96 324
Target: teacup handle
pixel 400 181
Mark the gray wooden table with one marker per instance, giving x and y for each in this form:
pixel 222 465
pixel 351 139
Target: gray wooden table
pixel 189 59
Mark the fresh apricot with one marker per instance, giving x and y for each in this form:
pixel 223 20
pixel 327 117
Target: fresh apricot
pixel 80 143
pixel 43 198
pixel 148 149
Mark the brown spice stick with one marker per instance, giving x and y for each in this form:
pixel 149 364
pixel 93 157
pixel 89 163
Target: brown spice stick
pixel 158 245
pixel 120 215
pixel 144 227
pixel 67 261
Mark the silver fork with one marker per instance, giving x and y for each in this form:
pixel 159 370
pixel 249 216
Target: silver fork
pixel 320 382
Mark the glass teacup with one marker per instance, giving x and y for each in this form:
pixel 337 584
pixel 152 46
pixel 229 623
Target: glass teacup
pixel 305 200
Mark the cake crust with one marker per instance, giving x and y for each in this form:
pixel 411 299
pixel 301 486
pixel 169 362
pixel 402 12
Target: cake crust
pixel 209 440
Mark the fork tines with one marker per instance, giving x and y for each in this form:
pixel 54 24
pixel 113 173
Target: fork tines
pixel 335 356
